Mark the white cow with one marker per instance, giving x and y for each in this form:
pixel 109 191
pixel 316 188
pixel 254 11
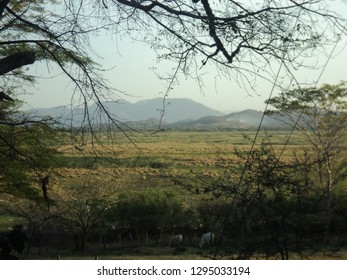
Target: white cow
pixel 176 240
pixel 206 239
pixel 179 238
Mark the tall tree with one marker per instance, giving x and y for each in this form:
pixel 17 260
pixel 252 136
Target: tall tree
pixel 321 115
pixel 27 151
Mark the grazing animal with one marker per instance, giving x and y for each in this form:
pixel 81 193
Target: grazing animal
pixel 178 238
pixel 18 238
pixel 206 239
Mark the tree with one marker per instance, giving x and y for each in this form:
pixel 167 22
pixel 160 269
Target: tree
pixel 274 205
pixel 27 153
pixel 26 149
pixel 321 115
pixel 150 210
pixel 242 39
pixel 43 31
pixel 34 212
pixel 84 207
pixel 33 32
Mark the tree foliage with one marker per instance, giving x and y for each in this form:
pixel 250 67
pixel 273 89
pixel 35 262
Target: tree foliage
pixel 27 149
pixel 49 32
pixel 147 211
pixel 84 205
pixel 275 207
pixel 321 115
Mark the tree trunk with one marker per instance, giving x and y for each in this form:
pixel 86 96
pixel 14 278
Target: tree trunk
pixel 147 241
pixel 31 234
pixel 83 240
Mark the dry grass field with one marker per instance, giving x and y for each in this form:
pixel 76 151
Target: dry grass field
pixel 152 157
pixel 156 161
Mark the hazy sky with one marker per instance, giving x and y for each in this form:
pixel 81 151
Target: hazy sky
pixel 131 72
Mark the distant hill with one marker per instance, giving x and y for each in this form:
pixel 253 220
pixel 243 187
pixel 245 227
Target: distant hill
pixel 180 113
pixel 243 119
pixel 175 110
pixel 62 113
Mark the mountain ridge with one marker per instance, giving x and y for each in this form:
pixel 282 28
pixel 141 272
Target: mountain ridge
pixel 175 110
pixel 178 113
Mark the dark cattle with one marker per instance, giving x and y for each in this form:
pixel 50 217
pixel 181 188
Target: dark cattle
pixel 18 238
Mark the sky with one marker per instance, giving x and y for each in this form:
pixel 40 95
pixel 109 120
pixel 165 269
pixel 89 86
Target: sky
pixel 130 65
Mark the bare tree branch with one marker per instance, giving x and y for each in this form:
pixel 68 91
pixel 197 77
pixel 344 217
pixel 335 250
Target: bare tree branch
pixel 15 61
pixel 3 5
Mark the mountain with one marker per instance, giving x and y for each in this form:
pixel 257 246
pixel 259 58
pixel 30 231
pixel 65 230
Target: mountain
pixel 63 114
pixel 175 110
pixel 180 113
pixel 243 119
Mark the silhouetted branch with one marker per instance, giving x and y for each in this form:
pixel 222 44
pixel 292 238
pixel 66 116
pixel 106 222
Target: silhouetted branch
pixel 3 5
pixel 15 61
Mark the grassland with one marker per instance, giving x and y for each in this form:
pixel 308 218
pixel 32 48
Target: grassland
pixel 163 153
pixel 153 160
pixel 156 161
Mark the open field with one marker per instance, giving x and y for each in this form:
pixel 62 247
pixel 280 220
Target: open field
pixel 169 161
pixel 166 153
pixel 155 160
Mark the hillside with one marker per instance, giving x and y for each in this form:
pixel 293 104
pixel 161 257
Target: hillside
pixel 175 110
pixel 243 119
pixel 180 113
